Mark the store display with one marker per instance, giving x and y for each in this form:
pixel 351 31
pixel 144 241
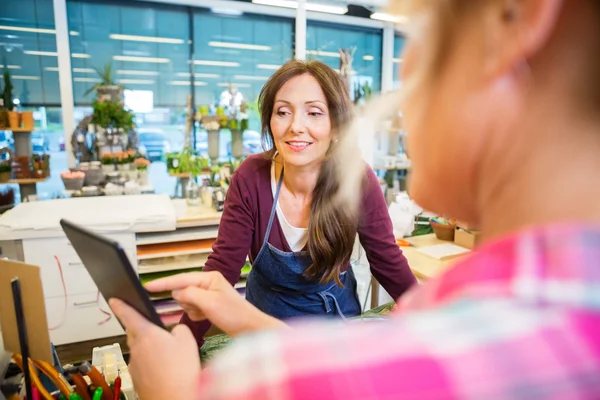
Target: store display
pixel 110 128
pixel 73 180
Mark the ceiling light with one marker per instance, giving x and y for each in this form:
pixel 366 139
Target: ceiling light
pixel 309 6
pixel 80 55
pixel 397 60
pixel 368 58
pixel 217 63
pixel 389 18
pixel 11 66
pixel 132 72
pixel 53 69
pixel 21 29
pixel 86 80
pixel 84 70
pixel 323 53
pixel 152 39
pixel 41 53
pixel 198 75
pixel 73 33
pixel 141 59
pixel 226 11
pixel 268 66
pixel 251 78
pixel 136 81
pixel 26 78
pixel 187 83
pixel 225 84
pixel 243 46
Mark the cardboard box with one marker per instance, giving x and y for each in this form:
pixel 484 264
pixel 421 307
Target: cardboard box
pixel 465 238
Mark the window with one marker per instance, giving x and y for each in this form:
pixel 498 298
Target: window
pixel 28 52
pixel 148 49
pixel 323 42
pixel 239 52
pixel 399 42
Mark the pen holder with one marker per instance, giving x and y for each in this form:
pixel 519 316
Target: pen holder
pixel 443 231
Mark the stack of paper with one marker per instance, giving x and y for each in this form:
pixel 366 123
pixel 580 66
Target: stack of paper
pixel 444 251
pixel 136 213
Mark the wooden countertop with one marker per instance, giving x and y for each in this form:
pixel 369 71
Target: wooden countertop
pixel 425 267
pixel 189 216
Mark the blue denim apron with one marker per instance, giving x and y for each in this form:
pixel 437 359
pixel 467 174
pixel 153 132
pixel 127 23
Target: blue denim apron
pixel 276 284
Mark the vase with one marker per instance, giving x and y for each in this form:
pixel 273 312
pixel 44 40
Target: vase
pixel 108 168
pixel 237 145
pixel 192 197
pixel 14 120
pixel 124 167
pixel 207 195
pixel 27 119
pixel 4 176
pixel 213 144
pixel 143 177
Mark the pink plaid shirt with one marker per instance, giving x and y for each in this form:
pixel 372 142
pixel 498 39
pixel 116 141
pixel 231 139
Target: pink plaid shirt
pixel 519 319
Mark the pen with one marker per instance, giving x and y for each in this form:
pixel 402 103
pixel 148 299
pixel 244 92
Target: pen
pixel 117 389
pixel 34 393
pixel 81 387
pixel 75 396
pixel 97 394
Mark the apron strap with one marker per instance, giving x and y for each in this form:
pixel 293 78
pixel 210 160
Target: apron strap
pixel 325 295
pixel 273 209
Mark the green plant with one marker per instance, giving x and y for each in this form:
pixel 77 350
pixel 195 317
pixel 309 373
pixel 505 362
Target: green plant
pixel 106 78
pixel 7 93
pixel 113 114
pixel 213 180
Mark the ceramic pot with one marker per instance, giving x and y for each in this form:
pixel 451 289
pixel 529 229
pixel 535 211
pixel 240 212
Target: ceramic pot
pixel 108 168
pixel 27 119
pixel 4 176
pixel 14 120
pixel 143 177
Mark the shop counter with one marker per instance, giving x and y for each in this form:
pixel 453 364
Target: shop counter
pixel 159 235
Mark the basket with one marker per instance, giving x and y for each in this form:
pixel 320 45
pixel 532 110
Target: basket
pixel 93 176
pixel 73 183
pixel 443 231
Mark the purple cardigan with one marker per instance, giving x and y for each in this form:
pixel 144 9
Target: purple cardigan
pixel 246 216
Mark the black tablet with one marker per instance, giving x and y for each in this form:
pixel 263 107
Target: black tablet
pixel 109 267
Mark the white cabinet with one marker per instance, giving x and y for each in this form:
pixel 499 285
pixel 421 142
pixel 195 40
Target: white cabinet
pixel 83 317
pixel 77 316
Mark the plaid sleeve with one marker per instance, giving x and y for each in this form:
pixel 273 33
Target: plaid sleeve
pixel 468 349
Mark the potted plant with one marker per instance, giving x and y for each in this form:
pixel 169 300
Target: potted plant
pixel 106 88
pixel 7 96
pixel 123 163
pixel 141 165
pixel 46 165
pixel 3 112
pixel 5 171
pixel 108 163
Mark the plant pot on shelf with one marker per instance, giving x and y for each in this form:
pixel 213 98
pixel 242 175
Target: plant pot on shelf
pixel 143 177
pixel 124 167
pixel 108 168
pixel 4 176
pixel 14 119
pixel 27 119
pixel 4 119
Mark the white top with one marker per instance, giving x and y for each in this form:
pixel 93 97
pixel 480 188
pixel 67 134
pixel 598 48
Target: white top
pixel 296 237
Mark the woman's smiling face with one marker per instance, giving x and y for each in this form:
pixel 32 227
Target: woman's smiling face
pixel 301 124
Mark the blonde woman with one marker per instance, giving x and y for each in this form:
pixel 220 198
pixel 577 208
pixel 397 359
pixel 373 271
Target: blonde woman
pixel 503 116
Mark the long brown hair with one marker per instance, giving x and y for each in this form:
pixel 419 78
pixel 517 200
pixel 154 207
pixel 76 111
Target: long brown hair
pixel 331 227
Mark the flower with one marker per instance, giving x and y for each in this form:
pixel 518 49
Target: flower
pixel 141 163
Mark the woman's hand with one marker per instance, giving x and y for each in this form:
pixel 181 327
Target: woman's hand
pixel 208 295
pixel 163 365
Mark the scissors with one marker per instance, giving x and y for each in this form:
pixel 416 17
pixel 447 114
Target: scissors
pixel 44 367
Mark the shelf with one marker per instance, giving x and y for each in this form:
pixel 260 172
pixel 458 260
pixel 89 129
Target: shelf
pixel 29 181
pixel 194 261
pixel 180 235
pixel 19 130
pixel 161 250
